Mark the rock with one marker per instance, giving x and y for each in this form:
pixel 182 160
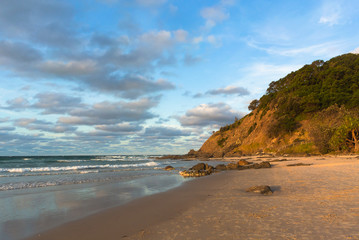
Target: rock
pixel 221 167
pixel 169 168
pixel 260 152
pixel 172 157
pixel 232 166
pixel 243 163
pixel 263 189
pixel 233 154
pixel 299 164
pixel 280 160
pixel 209 168
pixel 192 153
pixel 202 167
pixel 262 165
pixel 194 173
pixel 198 167
pixel 198 170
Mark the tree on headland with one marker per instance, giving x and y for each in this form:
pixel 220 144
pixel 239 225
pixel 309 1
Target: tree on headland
pixel 253 105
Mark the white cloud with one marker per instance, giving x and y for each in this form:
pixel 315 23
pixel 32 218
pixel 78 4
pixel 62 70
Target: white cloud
pixel 70 68
pixel 356 51
pixel 327 49
pixel 209 114
pixel 331 13
pixel 197 40
pixel 110 113
pixel 229 90
pixel 158 39
pixel 180 35
pixel 18 102
pixel 216 13
pixel 215 41
pixel 330 20
pixel 44 126
pixel 121 127
pixel 213 15
pixel 173 9
pixel 190 60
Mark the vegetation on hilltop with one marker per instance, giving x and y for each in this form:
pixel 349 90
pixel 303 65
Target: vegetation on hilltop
pixel 312 89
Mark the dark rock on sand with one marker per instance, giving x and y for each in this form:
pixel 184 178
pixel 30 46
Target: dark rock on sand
pixel 280 160
pixel 263 189
pixel 202 169
pixel 221 167
pixel 169 168
pixel 298 164
pixel 232 166
pixel 194 173
pixel 262 165
pixel 198 170
pixel 243 163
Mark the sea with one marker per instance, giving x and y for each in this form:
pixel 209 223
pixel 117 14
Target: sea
pixel 41 192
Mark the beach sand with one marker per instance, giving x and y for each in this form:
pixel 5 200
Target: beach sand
pixel 318 201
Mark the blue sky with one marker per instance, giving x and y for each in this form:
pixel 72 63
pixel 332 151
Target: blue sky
pixel 150 76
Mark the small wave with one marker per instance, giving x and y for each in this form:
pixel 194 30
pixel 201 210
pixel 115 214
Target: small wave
pixel 105 159
pixel 89 171
pixel 23 185
pixel 27 159
pixel 75 168
pixel 71 161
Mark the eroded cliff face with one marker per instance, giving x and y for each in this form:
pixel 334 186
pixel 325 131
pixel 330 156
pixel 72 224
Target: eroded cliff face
pixel 250 136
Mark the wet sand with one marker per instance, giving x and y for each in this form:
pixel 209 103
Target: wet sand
pixel 318 201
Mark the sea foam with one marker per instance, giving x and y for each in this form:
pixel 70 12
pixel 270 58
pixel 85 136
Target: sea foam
pixel 76 168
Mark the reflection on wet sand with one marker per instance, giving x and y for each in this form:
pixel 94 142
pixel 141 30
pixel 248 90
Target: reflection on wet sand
pixel 34 210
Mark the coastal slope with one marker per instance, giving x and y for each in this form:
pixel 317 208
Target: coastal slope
pixel 313 110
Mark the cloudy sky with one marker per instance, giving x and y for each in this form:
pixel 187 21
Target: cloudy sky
pixel 150 76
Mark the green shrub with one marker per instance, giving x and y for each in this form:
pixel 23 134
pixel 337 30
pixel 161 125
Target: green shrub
pixel 250 130
pixel 221 141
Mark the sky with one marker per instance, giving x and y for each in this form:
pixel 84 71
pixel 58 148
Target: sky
pixel 150 76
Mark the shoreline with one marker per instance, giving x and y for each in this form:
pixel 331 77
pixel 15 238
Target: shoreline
pixel 309 202
pixel 137 214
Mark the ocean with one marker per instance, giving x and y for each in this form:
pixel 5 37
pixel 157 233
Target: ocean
pixel 41 192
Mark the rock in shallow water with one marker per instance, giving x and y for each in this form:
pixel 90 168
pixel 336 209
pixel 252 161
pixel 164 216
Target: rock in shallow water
pixel 199 167
pixel 169 168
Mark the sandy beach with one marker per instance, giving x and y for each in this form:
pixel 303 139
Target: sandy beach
pixel 316 201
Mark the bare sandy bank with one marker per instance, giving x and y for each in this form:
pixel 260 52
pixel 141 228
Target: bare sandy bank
pixel 319 201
